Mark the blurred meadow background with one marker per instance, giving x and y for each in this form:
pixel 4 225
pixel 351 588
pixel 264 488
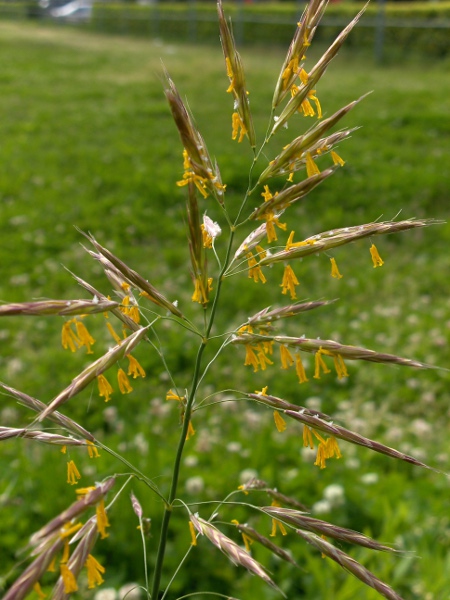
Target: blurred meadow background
pixel 88 141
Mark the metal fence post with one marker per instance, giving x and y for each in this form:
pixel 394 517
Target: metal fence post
pixel 192 21
pixel 239 24
pixel 380 27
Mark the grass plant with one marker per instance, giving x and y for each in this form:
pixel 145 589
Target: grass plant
pixel 152 428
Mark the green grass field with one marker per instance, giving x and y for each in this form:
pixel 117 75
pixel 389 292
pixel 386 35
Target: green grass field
pixel 88 141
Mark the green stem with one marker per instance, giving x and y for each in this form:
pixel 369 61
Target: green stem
pixel 256 156
pixel 187 417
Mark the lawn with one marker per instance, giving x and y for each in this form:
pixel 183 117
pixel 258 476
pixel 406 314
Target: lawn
pixel 88 141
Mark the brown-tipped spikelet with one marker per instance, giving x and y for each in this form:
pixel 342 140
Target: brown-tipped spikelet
pixel 235 553
pixel 58 307
pixel 349 564
pixel 198 167
pixel 92 371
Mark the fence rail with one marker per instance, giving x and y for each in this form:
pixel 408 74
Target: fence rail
pixel 195 22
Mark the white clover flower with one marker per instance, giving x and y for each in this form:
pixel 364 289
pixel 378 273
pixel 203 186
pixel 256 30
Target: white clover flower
pixel 191 460
pixel 321 507
pixel 195 485
pixel 334 494
pixel 141 443
pixel 369 478
pixel 130 591
pixel 234 447
pixel 106 594
pixel 247 474
pixel 308 454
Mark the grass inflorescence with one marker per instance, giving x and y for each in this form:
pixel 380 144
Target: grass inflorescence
pixel 181 326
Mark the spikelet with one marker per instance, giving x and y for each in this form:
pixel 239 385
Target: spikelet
pixel 254 535
pixel 310 141
pixel 235 553
pixel 301 41
pixel 349 564
pixel 267 316
pixel 38 406
pixel 39 436
pixel 93 370
pixel 191 137
pixel 323 422
pixel 235 72
pixel 330 348
pixel 304 522
pixel 290 195
pixel 314 75
pixel 339 237
pixel 77 508
pixel 132 277
pixel 58 307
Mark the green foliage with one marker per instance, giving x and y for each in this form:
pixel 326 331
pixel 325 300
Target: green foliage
pixel 263 23
pixel 88 141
